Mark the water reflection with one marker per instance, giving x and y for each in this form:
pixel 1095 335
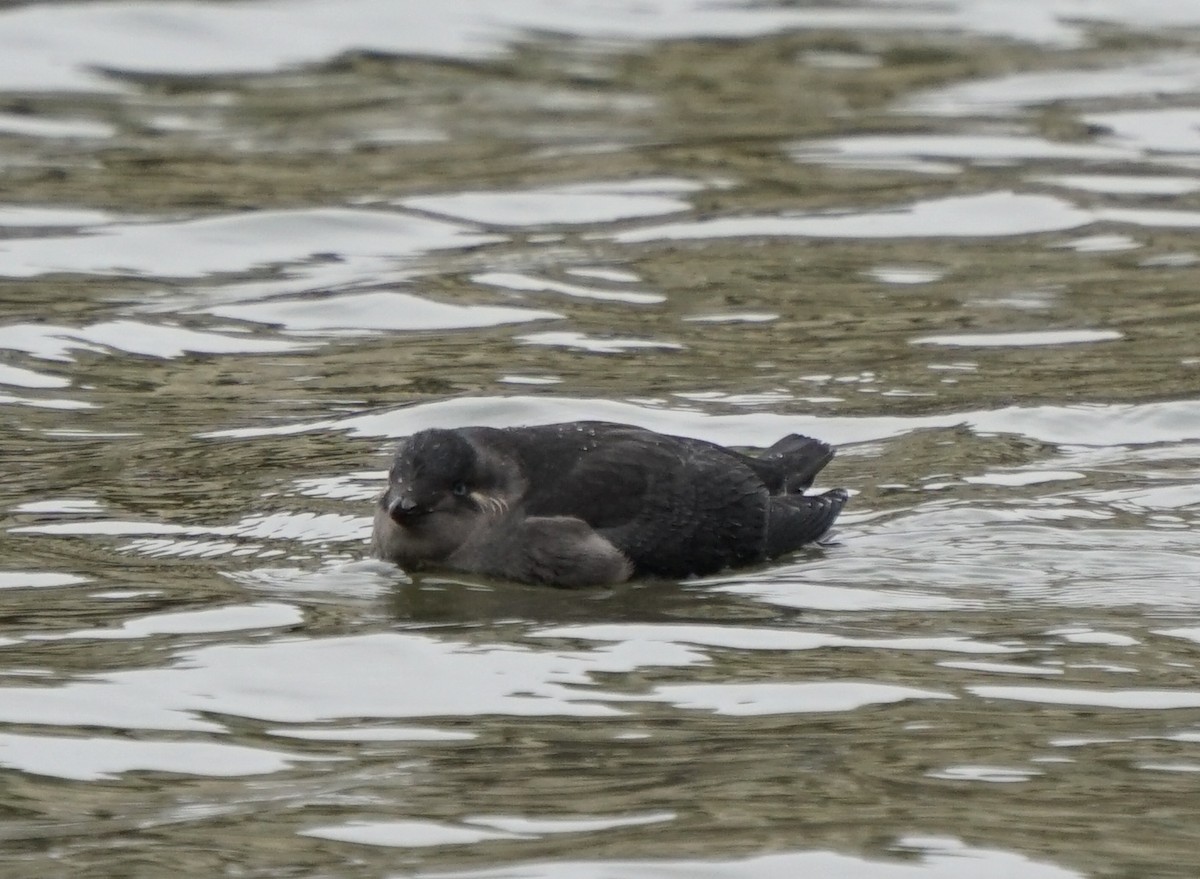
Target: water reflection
pixel 938 859
pixel 247 246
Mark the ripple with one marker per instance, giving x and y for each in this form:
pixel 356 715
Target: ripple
pixel 373 734
pixel 300 526
pixel 1140 700
pixel 961 216
pixel 594 344
pixel 194 622
pixel 1089 636
pixel 340 678
pixel 973 148
pixel 934 859
pixel 44 403
pixel 1166 75
pixel 1162 130
pixel 65 47
pixel 1016 479
pixel 361 485
pixel 1000 668
pixel 737 317
pixel 528 283
pixel 906 274
pixel 1101 244
pixel 25 216
pixel 413 834
pixel 574 824
pixel 992 774
pixel 27 378
pixel 1123 184
pixel 52 342
pixel 376 312
pixel 1084 425
pixel 58 128
pixel 167 540
pixel 741 700
pixel 760 638
pixel 1021 340
pixel 95 758
pixel 562 205
pixel 39 580
pixel 785 589
pixel 406 834
pixel 233 243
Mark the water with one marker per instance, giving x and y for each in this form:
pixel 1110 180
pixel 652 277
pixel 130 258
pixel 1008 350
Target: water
pixel 243 247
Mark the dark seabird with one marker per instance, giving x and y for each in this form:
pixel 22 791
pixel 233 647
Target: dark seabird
pixel 590 502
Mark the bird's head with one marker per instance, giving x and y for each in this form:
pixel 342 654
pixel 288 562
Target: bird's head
pixel 445 488
pixel 440 473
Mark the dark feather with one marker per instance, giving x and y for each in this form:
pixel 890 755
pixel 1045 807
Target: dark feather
pixel 602 500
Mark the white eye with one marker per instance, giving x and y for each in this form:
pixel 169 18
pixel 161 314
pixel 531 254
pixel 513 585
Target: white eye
pixel 459 488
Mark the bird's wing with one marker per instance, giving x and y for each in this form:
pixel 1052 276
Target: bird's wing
pixel 601 475
pixel 674 506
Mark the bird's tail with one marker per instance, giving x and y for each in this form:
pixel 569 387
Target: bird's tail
pixel 793 463
pixel 798 519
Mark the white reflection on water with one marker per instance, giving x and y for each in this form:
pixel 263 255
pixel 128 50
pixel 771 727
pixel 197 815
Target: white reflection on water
pixel 372 734
pixel 39 580
pixel 971 148
pixel 25 216
pixel 27 378
pixel 1164 130
pixel 992 774
pixel 555 205
pixel 93 758
pixel 906 274
pixel 233 243
pixel 792 586
pixel 311 527
pixel 962 216
pixel 561 824
pixel 1084 425
pixel 1101 244
pixel 746 699
pixel 412 834
pixel 382 675
pixel 53 342
pixel 1001 668
pixel 1167 75
pixel 1022 478
pixel 1002 553
pixel 223 619
pixel 937 859
pixel 1123 184
pixel 1020 340
pixel 26 125
pixel 959 216
pixel 1140 700
pixel 65 46
pixel 529 283
pixel 407 834
pixel 44 403
pixel 760 638
pixel 376 312
pixel 593 344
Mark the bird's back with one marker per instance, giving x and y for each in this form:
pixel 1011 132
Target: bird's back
pixel 675 506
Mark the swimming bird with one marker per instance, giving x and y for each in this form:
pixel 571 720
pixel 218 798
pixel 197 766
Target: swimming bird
pixel 590 502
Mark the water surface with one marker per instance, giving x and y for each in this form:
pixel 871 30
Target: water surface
pixel 245 246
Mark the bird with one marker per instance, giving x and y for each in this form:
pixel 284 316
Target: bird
pixel 594 503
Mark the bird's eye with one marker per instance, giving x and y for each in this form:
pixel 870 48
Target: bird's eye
pixel 459 488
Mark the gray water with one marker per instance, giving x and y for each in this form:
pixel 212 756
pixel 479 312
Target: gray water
pixel 244 246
